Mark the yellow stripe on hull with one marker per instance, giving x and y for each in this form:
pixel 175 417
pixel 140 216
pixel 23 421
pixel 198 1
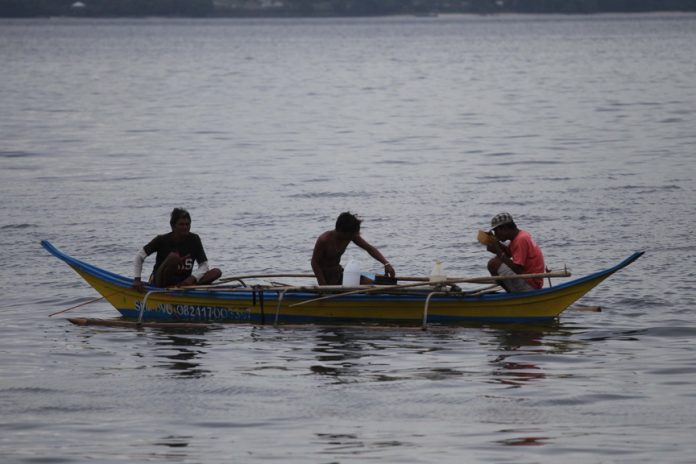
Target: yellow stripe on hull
pixel 188 306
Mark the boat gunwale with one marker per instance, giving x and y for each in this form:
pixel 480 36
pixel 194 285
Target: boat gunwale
pixel 126 283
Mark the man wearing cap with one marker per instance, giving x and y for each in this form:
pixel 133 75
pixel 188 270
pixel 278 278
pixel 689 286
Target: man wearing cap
pixel 521 256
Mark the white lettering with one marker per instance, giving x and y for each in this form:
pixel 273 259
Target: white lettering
pixel 183 311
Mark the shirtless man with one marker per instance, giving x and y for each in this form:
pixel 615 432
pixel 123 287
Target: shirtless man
pixel 176 252
pixel 332 244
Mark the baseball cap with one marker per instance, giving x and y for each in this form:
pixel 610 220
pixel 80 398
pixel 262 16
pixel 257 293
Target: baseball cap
pixel 501 219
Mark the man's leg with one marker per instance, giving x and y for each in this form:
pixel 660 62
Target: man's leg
pixel 165 275
pixel 333 276
pixel 209 277
pixel 494 265
pixel 514 285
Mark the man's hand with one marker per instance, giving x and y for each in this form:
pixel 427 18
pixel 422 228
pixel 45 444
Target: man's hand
pixel 138 284
pixel 495 247
pixel 389 270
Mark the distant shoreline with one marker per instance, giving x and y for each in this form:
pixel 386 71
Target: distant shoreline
pixel 325 9
pixel 503 15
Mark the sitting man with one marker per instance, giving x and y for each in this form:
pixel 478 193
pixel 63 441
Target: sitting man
pixel 331 245
pixel 176 252
pixel 521 256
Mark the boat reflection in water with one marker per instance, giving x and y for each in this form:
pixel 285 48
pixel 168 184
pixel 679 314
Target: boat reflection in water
pixel 181 353
pixel 518 364
pixel 516 343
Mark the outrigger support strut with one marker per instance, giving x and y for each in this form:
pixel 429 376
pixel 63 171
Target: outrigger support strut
pixel 263 314
pixel 142 308
pixel 425 308
pixel 281 294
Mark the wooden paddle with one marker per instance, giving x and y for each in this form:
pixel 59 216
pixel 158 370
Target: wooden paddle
pixel 454 280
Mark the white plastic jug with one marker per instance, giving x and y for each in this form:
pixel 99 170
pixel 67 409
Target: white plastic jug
pixel 437 275
pixel 351 274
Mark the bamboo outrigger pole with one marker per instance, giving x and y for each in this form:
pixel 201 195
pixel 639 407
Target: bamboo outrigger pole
pixel 307 276
pixel 260 276
pixel 454 280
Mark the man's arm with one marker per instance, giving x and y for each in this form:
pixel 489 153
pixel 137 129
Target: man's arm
pixel 519 255
pixel 138 270
pixel 505 259
pixel 201 260
pixel 374 252
pixel 504 254
pixel 200 272
pixel 144 252
pixel 497 247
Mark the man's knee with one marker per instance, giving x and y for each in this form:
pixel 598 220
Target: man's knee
pixel 171 260
pixel 210 276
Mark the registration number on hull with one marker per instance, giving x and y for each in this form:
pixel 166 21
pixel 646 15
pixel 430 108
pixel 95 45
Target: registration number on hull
pixel 198 312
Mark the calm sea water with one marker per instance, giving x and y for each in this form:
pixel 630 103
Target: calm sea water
pixel 581 127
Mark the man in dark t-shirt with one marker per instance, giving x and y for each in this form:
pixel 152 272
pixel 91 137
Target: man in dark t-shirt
pixel 176 252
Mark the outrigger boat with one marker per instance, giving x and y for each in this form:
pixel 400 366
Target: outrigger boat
pixel 422 302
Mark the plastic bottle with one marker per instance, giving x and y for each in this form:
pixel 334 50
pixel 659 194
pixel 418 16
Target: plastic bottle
pixel 437 275
pixel 351 274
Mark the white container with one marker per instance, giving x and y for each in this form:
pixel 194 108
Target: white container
pixel 437 275
pixel 351 274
